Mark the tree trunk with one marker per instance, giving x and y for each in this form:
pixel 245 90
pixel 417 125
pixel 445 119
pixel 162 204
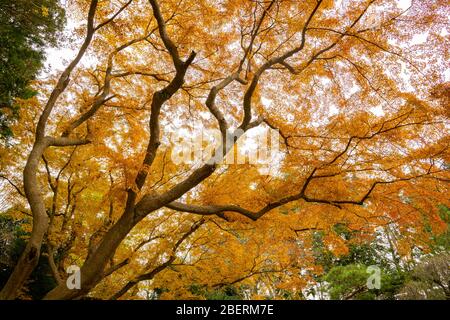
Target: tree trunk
pixel 92 270
pixel 30 256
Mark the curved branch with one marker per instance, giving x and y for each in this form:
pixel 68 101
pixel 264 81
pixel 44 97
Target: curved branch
pixel 168 43
pixel 247 103
pixel 13 185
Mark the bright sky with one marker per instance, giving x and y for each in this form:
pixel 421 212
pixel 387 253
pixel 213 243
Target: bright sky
pixel 58 58
pixel 403 4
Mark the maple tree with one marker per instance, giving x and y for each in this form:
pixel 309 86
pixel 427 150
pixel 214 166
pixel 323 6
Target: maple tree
pixel 359 104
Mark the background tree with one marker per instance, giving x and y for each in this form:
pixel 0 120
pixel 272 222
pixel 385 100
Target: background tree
pixel 402 276
pixel 345 276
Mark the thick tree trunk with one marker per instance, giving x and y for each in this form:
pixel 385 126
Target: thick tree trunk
pixel 92 270
pixel 30 256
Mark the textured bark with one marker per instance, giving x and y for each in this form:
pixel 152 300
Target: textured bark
pixel 93 269
pixel 156 270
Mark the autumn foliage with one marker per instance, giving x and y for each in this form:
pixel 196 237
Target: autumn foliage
pixel 356 90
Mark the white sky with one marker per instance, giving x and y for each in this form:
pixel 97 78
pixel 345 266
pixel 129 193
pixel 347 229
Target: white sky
pixel 403 4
